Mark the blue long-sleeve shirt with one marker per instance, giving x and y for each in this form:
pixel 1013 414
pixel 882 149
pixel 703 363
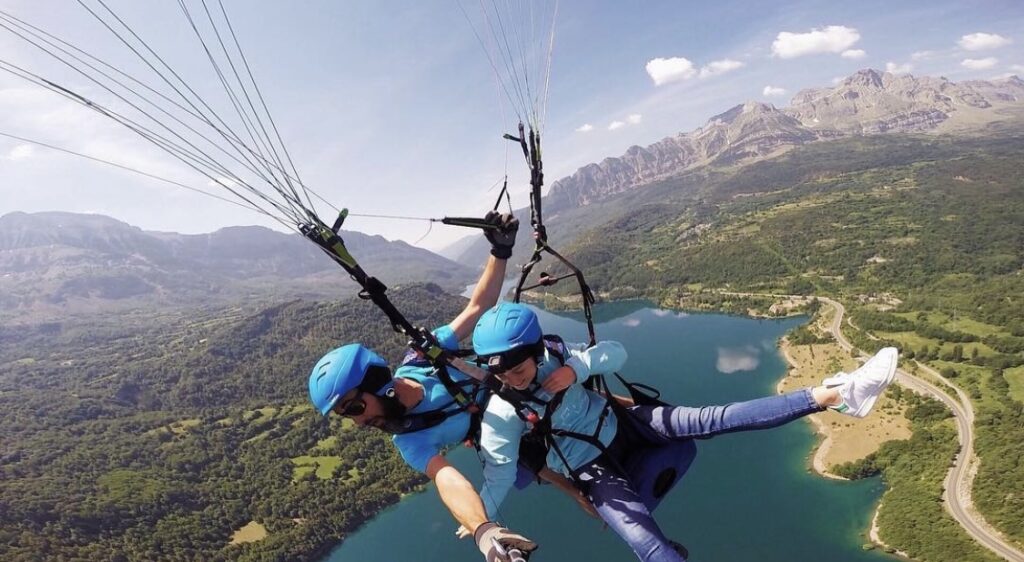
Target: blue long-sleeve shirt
pixel 579 412
pixel 419 447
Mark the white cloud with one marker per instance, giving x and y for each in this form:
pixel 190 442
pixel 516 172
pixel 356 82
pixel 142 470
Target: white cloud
pixel 631 119
pixel 979 64
pixel 20 152
pixel 663 71
pixel 773 91
pixel 898 68
pixel 719 67
pixel 831 39
pixel 922 55
pixel 585 128
pixel 1017 67
pixel 662 313
pixel 734 359
pixel 837 80
pixel 983 41
pixel 631 322
pixel 853 54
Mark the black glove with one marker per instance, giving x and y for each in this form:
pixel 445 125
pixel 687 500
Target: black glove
pixel 502 238
pixel 498 544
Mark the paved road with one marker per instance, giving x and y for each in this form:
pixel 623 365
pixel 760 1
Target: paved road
pixel 957 486
pixel 957 493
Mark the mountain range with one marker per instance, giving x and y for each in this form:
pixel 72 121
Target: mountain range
pixel 867 103
pixel 76 262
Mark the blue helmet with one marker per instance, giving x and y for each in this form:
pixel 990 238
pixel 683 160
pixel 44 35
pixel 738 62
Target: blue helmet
pixel 509 331
pixel 343 369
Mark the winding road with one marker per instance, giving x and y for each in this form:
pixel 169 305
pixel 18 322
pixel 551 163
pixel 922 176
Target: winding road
pixel 957 486
pixel 956 493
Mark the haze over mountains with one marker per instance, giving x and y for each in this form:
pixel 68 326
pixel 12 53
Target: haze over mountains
pixel 869 102
pixel 81 263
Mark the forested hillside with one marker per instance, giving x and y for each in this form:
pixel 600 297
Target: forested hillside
pixel 867 214
pixel 156 438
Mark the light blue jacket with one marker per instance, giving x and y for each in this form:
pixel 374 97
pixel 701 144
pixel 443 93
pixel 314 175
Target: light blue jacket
pixel 579 412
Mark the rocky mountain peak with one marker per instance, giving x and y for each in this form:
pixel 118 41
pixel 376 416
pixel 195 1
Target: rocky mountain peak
pixel 868 78
pixel 867 102
pixel 871 102
pixel 744 110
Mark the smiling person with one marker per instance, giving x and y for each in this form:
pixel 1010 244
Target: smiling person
pixel 413 404
pixel 616 454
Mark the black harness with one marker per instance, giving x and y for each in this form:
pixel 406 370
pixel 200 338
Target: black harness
pixel 411 423
pixel 535 446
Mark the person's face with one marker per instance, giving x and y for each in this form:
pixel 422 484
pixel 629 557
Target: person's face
pixel 361 407
pixel 520 376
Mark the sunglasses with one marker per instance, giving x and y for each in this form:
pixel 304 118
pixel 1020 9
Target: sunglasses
pixel 352 407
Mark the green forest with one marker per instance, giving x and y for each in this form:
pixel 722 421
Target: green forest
pixel 156 441
pixel 912 519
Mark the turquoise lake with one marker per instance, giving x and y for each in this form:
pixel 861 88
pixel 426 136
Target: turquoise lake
pixel 748 496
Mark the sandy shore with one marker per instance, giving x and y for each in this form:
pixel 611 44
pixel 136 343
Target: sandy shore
pixel 844 439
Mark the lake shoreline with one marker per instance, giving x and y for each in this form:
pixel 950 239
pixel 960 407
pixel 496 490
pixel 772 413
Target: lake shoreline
pixel 807 364
pixel 823 431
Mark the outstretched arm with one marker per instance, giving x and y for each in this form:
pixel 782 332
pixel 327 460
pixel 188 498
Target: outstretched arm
pixel 457 493
pixel 465 505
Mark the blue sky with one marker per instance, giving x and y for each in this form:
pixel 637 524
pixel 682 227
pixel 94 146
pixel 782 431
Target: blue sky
pixel 392 108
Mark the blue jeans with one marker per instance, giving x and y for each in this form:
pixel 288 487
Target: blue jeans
pixel 623 501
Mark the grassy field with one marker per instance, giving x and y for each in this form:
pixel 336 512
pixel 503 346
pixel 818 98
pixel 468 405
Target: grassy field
pixel 130 486
pixel 960 323
pixel 327 443
pixel 1015 377
pixel 180 427
pixel 250 532
pixel 912 341
pixel 266 412
pixel 323 466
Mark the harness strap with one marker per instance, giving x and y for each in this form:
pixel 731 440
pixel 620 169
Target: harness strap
pixel 530 143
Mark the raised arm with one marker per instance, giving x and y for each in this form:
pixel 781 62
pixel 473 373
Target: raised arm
pixel 488 288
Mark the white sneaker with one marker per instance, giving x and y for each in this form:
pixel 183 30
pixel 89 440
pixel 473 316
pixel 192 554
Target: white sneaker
pixel 861 388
